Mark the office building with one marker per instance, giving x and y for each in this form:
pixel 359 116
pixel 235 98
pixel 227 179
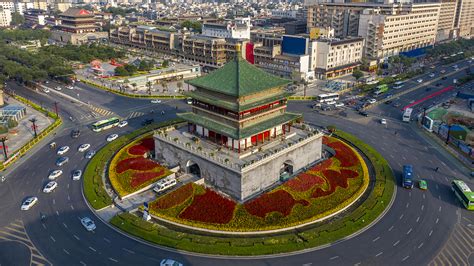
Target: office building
pixel 5 17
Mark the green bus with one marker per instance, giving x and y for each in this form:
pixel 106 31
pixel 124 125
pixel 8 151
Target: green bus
pixel 464 193
pixel 105 124
pixel 381 89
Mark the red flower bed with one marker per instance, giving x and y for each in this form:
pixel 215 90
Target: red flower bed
pixel 344 154
pixel 322 166
pixel 280 201
pixel 336 179
pixel 174 198
pixel 304 182
pixel 325 140
pixel 140 178
pixel 139 163
pixel 143 147
pixel 210 208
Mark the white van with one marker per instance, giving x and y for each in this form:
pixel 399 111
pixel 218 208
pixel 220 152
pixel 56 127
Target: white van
pixel 339 105
pixel 164 184
pixel 331 102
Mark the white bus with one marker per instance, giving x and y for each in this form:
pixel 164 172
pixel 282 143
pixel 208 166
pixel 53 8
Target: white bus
pixel 407 115
pixel 105 124
pixel 328 97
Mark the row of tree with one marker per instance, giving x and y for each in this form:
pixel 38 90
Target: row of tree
pixel 84 53
pixel 24 35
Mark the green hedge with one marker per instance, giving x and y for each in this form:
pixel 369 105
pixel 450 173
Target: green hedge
pixel 321 234
pixel 94 190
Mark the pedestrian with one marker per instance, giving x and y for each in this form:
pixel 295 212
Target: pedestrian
pixel 162 112
pixel 436 169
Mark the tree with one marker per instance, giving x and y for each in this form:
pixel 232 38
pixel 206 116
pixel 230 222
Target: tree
pixel 134 85
pixel 179 84
pixel 164 85
pixel 131 69
pixel 149 86
pixel 17 19
pixel 121 71
pixel 357 74
pixel 192 25
pixel 125 82
pixel 165 63
pixel 12 123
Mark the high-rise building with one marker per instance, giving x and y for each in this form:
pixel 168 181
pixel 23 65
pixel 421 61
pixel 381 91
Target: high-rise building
pixel 5 17
pixel 447 14
pixel 464 21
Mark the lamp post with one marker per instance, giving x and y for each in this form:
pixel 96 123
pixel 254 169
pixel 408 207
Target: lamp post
pixel 56 108
pixel 33 121
pixel 423 117
pixel 3 139
pixel 447 137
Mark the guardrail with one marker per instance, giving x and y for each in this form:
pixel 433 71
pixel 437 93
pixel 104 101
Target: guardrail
pixel 30 144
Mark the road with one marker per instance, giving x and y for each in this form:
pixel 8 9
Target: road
pixel 413 231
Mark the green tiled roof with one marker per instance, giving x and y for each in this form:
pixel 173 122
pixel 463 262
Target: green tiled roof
pixel 238 78
pixel 234 132
pixel 234 106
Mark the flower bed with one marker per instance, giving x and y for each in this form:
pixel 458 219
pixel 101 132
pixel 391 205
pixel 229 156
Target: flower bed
pixel 321 190
pixel 130 171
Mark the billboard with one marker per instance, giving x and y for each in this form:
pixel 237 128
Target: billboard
pixel 294 45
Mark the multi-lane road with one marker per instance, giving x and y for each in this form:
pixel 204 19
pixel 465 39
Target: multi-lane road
pixel 419 228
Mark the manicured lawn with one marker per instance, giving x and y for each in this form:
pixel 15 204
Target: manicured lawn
pixel 323 189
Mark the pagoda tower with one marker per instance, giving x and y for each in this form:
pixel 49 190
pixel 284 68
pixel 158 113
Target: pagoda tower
pixel 239 137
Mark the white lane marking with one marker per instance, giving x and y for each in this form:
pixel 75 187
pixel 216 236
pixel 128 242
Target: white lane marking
pixel 82 263
pixel 439 209
pixel 437 220
pixel 403 157
pixel 68 197
pixel 57 213
pixel 106 240
pixel 409 194
pixel 333 258
pixel 431 232
pixel 391 228
pixel 409 231
pixel 72 207
pixel 445 178
pixel 443 163
pixel 378 254
pixel 133 252
pixel 52 238
pixel 391 156
pixel 437 187
pixel 422 207
pixel 112 259
pixel 423 196
pixel 431 162
pixel 76 237
pixel 396 243
pixel 439 197
pixel 65 225
pixel 357 264
pixel 65 251
pixel 54 201
pixel 418 219
pixel 408 204
pixel 91 248
pixel 401 216
pixel 68 186
pixel 419 246
pixel 375 239
pixel 404 259
pixel 44 226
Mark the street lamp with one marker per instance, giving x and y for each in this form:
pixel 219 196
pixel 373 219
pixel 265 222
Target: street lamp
pixel 423 117
pixel 33 121
pixel 56 108
pixel 3 139
pixel 447 137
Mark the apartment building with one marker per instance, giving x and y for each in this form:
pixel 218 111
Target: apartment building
pixel 408 27
pixel 204 50
pixel 464 20
pixel 446 22
pixel 35 17
pixel 330 57
pixel 239 28
pixel 342 17
pixel 5 17
pixel 267 37
pixel 145 37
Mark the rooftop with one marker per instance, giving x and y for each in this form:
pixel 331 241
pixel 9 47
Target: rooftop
pixel 77 12
pixel 238 78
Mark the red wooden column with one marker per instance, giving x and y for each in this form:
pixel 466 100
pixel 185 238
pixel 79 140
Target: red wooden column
pixel 232 144
pixel 275 132
pixel 239 146
pixel 245 144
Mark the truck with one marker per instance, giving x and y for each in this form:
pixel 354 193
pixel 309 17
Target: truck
pixel 407 178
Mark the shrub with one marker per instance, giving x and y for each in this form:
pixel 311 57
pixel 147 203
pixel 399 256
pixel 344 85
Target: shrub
pixel 139 163
pixel 210 208
pixel 279 201
pixel 174 198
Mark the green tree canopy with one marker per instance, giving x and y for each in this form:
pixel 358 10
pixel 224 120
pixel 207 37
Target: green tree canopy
pixel 17 19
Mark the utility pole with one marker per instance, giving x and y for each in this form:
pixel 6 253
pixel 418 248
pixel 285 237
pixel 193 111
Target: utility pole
pixel 424 114
pixel 33 121
pixel 447 137
pixel 2 140
pixel 56 108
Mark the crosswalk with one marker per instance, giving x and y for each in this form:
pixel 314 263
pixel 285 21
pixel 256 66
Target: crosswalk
pixel 458 249
pixel 135 115
pixel 15 231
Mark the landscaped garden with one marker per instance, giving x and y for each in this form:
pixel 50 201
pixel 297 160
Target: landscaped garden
pixel 316 193
pixel 131 168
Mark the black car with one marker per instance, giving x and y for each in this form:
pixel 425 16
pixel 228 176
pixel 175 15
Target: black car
pixel 147 122
pixel 388 102
pixel 427 89
pixel 75 133
pixel 364 113
pixel 438 84
pixel 444 78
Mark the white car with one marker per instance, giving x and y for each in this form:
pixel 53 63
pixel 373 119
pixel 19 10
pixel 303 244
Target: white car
pixel 88 223
pixel 372 101
pixel 455 66
pixel 46 90
pixel 63 150
pixel 419 80
pixel 123 123
pixel 155 101
pixel 112 137
pixel 28 203
pixel 55 174
pixel 76 175
pixel 432 75
pixel 58 88
pixel 84 147
pixel 383 121
pixel 70 87
pixel 89 154
pixel 62 161
pixel 50 187
pixel 170 262
pixel 443 71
